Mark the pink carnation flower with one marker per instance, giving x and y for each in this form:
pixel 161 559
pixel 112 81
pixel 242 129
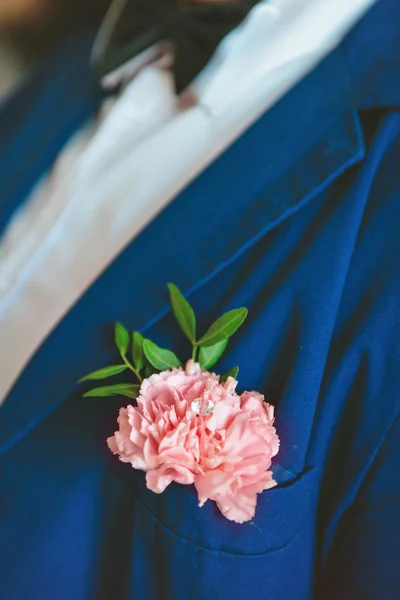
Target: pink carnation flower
pixel 226 454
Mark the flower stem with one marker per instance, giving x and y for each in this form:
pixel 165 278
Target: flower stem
pixel 194 353
pixel 128 364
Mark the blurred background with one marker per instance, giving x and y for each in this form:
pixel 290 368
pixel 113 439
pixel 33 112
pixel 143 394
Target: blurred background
pixel 28 28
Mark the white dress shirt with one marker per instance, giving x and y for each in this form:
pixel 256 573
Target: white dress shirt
pixel 146 146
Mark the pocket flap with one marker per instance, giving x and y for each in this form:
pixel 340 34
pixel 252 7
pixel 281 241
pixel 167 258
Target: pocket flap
pixel 280 515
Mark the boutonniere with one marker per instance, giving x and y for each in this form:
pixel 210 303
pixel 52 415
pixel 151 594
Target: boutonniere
pixel 190 425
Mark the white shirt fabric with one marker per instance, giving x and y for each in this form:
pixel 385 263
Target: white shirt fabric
pixel 140 152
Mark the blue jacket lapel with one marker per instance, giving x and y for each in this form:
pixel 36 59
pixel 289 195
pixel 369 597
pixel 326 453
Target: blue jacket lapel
pixel 38 120
pixel 283 161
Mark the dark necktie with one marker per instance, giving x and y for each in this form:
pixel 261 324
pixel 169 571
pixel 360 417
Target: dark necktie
pixel 194 30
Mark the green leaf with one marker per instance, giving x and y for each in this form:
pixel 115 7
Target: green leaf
pixel 106 372
pixel 224 327
pixel 160 359
pixel 121 338
pixel 130 390
pixel 183 312
pixel 138 356
pixel 149 370
pixel 232 373
pixel 210 355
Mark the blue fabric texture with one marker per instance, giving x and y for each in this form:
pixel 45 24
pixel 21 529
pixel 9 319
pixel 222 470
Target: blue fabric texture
pixel 37 121
pixel 298 221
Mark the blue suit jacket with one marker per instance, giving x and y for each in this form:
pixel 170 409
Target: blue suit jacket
pixel 299 221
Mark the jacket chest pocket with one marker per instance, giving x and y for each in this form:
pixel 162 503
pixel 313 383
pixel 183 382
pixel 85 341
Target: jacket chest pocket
pixel 187 552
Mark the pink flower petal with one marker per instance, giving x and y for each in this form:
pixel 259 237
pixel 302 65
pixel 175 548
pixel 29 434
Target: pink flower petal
pixel 227 455
pixel 239 507
pixel 212 484
pixel 159 479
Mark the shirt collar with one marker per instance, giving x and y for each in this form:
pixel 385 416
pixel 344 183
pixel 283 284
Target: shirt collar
pixel 277 44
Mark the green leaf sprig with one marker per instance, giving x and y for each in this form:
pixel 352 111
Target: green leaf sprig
pixel 130 390
pixel 123 342
pixel 213 343
pixel 148 358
